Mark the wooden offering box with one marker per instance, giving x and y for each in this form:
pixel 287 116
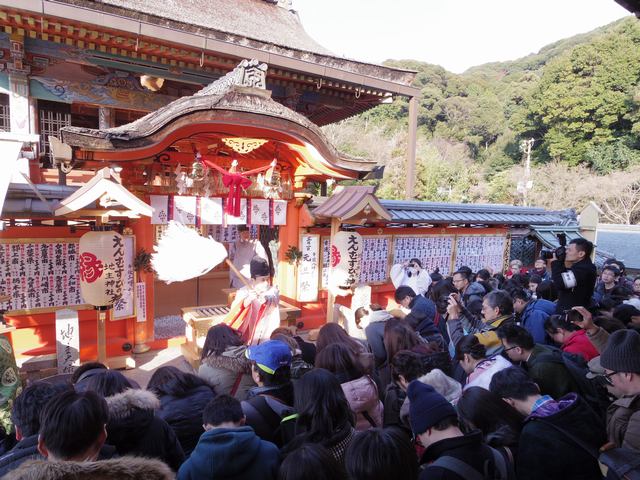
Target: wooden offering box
pixel 200 319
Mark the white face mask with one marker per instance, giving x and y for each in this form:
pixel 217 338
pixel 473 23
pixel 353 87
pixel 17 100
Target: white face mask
pixel 411 271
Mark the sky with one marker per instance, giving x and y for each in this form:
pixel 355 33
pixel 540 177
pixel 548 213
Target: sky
pixel 456 34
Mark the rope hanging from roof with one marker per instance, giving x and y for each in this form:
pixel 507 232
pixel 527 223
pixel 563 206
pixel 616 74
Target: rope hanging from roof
pixel 236 182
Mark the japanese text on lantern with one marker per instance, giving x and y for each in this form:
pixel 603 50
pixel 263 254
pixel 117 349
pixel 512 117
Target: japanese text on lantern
pixel 353 247
pixel 115 278
pixel 308 273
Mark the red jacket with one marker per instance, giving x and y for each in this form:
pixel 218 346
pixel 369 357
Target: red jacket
pixel 579 343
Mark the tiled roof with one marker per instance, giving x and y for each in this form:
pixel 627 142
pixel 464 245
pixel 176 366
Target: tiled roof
pixel 463 213
pixel 265 25
pixel 623 245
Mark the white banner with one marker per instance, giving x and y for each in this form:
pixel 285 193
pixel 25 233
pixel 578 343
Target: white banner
pixel 160 204
pixel 184 209
pixel 141 302
pixel 211 212
pixel 308 269
pixel 279 212
pixel 259 212
pixel 346 252
pixel 67 340
pixel 242 219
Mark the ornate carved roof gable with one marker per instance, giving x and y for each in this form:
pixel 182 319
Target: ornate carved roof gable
pixel 249 73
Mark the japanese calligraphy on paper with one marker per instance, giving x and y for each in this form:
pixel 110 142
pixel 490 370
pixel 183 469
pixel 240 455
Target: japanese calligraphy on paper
pixel 479 252
pixel 375 259
pixel 67 340
pixel 346 252
pixel 434 252
pixel 124 306
pixel 308 274
pixel 39 275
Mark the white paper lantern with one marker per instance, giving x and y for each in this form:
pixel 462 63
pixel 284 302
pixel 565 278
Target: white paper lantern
pixel 102 267
pixel 346 252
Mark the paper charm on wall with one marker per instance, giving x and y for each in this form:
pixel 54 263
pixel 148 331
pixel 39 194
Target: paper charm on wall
pixel 236 182
pixel 346 252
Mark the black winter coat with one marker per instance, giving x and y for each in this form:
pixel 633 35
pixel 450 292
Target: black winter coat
pixel 27 449
pixel 580 295
pixel 134 429
pixel 184 415
pixel 469 449
pixel 546 452
pixel 423 312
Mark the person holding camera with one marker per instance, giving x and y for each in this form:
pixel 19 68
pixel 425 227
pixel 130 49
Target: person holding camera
pixel 412 275
pixel 573 273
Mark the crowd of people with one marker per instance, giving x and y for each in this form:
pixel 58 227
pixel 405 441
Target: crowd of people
pixel 481 375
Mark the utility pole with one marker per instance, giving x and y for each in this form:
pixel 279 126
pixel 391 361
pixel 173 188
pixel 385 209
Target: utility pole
pixel 526 184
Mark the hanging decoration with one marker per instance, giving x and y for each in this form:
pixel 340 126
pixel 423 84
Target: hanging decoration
pixel 269 183
pixel 243 145
pixel 236 182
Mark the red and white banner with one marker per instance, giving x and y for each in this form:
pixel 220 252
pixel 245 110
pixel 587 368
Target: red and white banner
pixel 346 252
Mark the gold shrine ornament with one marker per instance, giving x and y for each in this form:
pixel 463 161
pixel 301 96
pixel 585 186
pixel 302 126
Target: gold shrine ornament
pixel 243 145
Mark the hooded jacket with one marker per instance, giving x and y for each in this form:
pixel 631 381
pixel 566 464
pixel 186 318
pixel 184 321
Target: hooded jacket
pixel 546 449
pixel 446 386
pixel 532 319
pixel 363 398
pixel 134 429
pixel 184 415
pixel 125 468
pixel 474 292
pixel 223 371
pixel 27 449
pixel 231 453
pixel 374 332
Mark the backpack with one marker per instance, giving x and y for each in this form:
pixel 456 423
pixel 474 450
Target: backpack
pixel 594 394
pixel 282 423
pixel 467 472
pixel 622 464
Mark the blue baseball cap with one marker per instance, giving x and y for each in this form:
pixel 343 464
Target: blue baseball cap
pixel 271 355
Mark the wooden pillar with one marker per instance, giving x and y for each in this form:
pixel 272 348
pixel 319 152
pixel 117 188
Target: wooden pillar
pixel 144 232
pixel 411 148
pixel 331 298
pixel 289 235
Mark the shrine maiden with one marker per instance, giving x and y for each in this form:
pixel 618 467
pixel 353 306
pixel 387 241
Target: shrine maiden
pixel 412 275
pixel 254 312
pixel 241 253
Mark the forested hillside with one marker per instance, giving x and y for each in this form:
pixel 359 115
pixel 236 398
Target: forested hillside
pixel 579 99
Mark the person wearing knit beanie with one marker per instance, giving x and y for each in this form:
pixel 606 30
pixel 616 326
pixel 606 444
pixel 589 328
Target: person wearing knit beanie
pixel 622 353
pixel 621 362
pixel 427 407
pixel 449 454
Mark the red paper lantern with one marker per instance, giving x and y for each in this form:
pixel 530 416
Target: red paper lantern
pixel 102 268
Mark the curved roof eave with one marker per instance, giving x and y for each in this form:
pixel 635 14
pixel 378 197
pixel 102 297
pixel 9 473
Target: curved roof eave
pixel 242 106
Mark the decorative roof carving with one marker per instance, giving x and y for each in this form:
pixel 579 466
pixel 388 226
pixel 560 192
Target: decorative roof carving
pixel 249 73
pixel 205 107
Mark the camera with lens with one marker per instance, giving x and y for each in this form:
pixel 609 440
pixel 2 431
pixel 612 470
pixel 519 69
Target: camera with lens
pixel 559 252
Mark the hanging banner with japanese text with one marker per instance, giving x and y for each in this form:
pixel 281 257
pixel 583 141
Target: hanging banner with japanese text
pixel 346 253
pixel 125 305
pixel 160 204
pixel 141 302
pixel 308 269
pixel 67 340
